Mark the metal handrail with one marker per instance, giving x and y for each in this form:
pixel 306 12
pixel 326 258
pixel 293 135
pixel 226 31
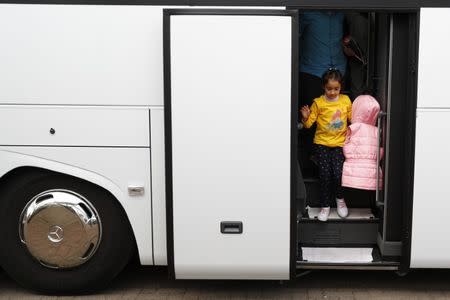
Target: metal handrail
pixel 381 115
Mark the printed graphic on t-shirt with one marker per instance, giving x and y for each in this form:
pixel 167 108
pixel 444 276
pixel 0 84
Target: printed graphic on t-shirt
pixel 336 122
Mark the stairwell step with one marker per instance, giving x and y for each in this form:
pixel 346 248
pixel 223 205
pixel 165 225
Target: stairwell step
pixel 357 232
pixel 337 255
pixel 353 214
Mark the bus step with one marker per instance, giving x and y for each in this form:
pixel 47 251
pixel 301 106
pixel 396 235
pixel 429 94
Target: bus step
pixel 354 214
pixel 351 258
pixel 360 228
pixel 337 255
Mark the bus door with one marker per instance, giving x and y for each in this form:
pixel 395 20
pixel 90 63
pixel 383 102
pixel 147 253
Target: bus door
pixel 230 125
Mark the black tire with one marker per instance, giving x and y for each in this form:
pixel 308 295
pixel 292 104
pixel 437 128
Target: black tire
pixel 114 251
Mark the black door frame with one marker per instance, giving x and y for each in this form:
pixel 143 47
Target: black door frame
pixel 168 121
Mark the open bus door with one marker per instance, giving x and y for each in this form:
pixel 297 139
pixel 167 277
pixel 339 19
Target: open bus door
pixel 230 126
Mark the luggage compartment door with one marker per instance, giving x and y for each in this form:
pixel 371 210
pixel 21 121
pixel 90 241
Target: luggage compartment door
pixel 230 111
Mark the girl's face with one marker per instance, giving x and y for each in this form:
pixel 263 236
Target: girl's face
pixel 332 89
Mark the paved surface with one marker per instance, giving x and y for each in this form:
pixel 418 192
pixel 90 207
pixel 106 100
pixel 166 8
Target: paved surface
pixel 151 283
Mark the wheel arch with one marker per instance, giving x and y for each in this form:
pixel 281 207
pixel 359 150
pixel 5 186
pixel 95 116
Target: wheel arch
pixel 80 175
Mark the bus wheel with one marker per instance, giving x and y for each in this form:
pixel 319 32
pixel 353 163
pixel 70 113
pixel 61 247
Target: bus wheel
pixel 60 234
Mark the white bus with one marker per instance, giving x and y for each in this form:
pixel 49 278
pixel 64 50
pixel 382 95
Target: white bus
pixel 168 130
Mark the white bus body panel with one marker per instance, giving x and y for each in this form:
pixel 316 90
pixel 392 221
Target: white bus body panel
pixel 111 168
pixel 231 120
pixel 430 246
pixel 81 54
pixel 433 57
pixel 28 125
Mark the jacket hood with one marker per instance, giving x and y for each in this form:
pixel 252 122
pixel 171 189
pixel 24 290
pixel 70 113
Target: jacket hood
pixel 365 109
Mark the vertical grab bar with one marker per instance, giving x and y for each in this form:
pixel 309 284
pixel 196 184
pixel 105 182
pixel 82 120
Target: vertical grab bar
pixel 381 115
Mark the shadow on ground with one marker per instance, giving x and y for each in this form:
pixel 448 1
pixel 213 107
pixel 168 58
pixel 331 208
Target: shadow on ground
pixel 137 282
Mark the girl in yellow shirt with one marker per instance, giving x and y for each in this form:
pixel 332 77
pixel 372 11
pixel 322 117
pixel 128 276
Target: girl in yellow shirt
pixel 332 112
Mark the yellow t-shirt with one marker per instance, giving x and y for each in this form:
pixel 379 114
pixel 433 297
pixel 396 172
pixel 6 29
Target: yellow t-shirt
pixel 332 118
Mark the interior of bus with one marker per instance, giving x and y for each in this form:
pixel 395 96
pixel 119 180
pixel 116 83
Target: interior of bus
pixel 372 235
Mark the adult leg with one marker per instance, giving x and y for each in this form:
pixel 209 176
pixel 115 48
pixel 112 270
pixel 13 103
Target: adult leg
pixel 358 84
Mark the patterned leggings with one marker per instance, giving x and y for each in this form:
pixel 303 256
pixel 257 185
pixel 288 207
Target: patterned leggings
pixel 330 161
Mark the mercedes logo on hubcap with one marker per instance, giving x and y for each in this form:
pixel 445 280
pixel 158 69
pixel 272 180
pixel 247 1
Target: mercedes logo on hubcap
pixel 55 234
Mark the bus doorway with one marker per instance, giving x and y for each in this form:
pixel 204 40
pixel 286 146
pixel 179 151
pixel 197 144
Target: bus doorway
pixel 372 235
pixel 255 152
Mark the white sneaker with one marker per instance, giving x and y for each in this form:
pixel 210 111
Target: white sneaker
pixel 342 209
pixel 323 214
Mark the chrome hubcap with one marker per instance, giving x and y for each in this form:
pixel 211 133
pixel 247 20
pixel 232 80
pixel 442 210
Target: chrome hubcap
pixel 60 228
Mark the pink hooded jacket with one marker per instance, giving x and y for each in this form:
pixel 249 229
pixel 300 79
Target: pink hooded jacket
pixel 360 147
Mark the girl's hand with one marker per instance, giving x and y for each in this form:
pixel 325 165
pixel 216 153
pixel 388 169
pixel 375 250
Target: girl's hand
pixel 305 111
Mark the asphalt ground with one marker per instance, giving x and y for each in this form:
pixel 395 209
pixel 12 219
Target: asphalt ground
pixel 137 282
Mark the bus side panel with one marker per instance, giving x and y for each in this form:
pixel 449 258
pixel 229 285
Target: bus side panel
pixel 111 168
pixel 434 63
pixel 81 54
pixel 430 246
pixel 44 125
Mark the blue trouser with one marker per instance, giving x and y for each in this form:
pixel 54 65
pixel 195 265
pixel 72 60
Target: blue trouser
pixel 330 161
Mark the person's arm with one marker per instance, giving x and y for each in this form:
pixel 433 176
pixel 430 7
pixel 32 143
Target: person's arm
pixel 347 36
pixel 312 116
pixel 346 24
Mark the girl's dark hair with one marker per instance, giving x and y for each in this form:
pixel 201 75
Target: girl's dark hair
pixel 332 74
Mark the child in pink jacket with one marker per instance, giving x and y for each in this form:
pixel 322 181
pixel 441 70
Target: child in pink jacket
pixel 360 147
